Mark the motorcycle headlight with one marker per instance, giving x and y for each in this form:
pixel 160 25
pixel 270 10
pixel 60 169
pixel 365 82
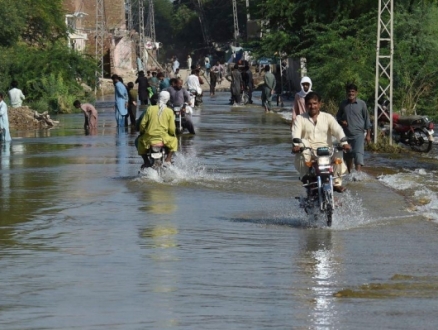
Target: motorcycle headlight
pixel 323 161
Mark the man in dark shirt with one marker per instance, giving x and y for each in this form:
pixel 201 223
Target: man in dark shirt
pixel 179 96
pixel 354 119
pixel 143 85
pixel 248 82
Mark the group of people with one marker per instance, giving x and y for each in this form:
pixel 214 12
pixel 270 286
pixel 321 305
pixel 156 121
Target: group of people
pixel 317 128
pixel 241 80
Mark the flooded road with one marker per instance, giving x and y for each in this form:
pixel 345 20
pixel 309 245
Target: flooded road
pixel 217 243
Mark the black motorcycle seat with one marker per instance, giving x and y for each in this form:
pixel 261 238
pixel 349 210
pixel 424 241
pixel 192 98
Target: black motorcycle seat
pixel 408 120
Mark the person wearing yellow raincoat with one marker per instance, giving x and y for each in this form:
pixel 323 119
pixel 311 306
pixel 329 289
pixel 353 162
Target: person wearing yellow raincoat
pixel 158 126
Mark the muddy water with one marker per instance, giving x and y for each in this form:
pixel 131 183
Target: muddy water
pixel 218 242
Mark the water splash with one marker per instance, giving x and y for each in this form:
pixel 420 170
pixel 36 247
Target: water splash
pixel 419 185
pixel 186 168
pixel 358 176
pixel 349 213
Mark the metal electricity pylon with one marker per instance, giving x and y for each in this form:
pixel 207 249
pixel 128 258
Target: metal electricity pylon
pixel 236 22
pixel 152 20
pixel 202 21
pixel 129 21
pixel 141 28
pixel 384 59
pixel 100 35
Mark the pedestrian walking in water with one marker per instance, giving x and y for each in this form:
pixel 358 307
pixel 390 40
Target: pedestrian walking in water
pixel 132 104
pixel 354 119
pixel 143 85
pixel 121 101
pixel 213 80
pixel 248 82
pixel 268 89
pixel 4 120
pixel 236 85
pixel 299 105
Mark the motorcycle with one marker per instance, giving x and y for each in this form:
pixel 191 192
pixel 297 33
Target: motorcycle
pixel 155 157
pixel 318 182
pixel 181 122
pixel 413 131
pixel 196 96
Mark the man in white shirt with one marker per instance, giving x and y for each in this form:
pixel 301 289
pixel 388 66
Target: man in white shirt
pixel 317 128
pixel 175 64
pixel 192 82
pixel 4 121
pixel 16 95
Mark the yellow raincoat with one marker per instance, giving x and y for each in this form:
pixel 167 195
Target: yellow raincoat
pixel 157 127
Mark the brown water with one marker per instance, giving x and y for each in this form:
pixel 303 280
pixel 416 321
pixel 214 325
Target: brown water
pixel 216 243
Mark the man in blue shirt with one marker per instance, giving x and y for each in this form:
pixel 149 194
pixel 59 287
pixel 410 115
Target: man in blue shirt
pixel 121 101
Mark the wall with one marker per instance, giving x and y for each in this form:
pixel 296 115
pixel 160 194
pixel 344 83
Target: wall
pixel 117 46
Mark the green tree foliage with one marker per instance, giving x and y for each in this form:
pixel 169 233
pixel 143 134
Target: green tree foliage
pixel 179 27
pixel 33 21
pixel 33 52
pixel 338 39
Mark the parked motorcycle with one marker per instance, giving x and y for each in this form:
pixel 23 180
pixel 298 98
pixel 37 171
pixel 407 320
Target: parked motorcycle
pixel 413 131
pixel 318 182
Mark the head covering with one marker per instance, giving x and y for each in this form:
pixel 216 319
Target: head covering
pixel 163 98
pixel 302 93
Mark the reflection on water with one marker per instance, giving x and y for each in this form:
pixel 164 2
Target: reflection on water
pixel 321 267
pixel 158 200
pixel 5 174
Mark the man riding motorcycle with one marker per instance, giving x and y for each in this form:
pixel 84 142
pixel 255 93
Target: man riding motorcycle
pixel 158 127
pixel 194 85
pixel 317 128
pixel 178 97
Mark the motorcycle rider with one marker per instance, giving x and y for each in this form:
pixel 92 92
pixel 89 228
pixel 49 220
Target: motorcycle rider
pixel 178 97
pixel 193 83
pixel 158 126
pixel 317 128
pixel 354 119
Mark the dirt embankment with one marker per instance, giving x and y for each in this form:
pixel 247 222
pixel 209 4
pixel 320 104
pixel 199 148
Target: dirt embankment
pixel 24 118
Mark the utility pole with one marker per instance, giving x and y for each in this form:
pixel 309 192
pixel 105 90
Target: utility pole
pixel 201 16
pixel 129 22
pixel 100 35
pixel 236 23
pixel 384 57
pixel 248 16
pixel 141 29
pixel 150 25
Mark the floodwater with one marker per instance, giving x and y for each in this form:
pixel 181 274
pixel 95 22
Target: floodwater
pixel 218 242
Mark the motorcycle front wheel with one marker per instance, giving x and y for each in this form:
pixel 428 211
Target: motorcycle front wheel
pixel 329 215
pixel 419 141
